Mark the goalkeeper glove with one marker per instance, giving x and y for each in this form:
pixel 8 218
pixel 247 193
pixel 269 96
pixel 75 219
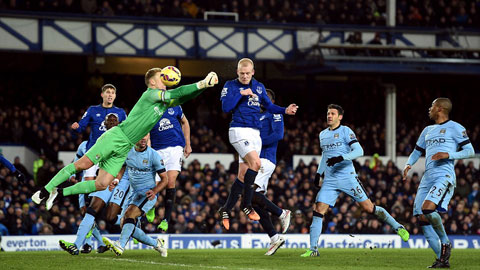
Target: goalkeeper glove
pixel 334 160
pixel 209 81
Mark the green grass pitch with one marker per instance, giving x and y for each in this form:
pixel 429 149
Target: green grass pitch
pixel 241 259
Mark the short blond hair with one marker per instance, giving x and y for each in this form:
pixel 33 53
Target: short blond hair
pixel 150 73
pixel 245 62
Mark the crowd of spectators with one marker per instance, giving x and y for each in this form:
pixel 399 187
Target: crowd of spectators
pixel 42 124
pixel 202 189
pixel 440 13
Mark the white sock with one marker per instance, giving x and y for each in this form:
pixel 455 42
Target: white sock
pixel 274 238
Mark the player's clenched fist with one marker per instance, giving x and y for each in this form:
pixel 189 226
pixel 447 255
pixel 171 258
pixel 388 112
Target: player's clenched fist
pixel 209 81
pixel 291 109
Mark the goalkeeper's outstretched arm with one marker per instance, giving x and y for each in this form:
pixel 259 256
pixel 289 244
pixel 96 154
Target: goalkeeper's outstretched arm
pixel 185 93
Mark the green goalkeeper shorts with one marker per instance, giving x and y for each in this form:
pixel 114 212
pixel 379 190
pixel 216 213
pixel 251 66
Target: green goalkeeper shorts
pixel 110 151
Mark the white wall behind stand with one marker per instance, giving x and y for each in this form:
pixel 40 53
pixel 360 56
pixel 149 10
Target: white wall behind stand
pixel 26 155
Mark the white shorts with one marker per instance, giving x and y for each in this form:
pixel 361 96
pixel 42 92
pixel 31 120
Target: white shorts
pixel 91 172
pixel 172 159
pixel 263 176
pixel 245 140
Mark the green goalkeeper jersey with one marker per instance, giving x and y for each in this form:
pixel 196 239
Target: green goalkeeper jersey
pixel 150 107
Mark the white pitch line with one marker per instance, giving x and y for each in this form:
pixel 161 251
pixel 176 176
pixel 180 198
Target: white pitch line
pixel 168 264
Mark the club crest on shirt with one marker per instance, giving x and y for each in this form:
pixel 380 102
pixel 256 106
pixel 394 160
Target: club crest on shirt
pixel 442 131
pixel 224 92
pixel 171 111
pixel 464 134
pixel 246 143
pixel 98 115
pixel 145 162
pixel 262 117
pixel 336 136
pixel 259 90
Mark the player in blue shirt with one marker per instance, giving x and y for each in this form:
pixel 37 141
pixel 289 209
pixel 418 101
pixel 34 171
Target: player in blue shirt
pixel 339 147
pixel 170 137
pixel 99 200
pixel 95 118
pixel 243 97
pixel 441 143
pixel 18 174
pixel 142 164
pixel 270 133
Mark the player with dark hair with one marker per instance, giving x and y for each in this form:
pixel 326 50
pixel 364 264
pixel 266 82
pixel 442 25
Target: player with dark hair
pixel 339 147
pixel 170 137
pixel 95 117
pixel 243 97
pixel 142 165
pixel 99 200
pixel 111 149
pixel 441 143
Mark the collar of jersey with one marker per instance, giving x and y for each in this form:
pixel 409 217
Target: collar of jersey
pixel 335 128
pixel 443 122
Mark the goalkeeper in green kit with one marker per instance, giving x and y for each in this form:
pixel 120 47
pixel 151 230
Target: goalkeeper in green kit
pixel 111 149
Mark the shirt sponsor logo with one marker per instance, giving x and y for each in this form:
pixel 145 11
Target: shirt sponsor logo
pixel 253 101
pixel 327 147
pixel 171 111
pixel 435 141
pixel 164 124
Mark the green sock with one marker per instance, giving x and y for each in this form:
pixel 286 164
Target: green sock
pixel 80 188
pixel 61 177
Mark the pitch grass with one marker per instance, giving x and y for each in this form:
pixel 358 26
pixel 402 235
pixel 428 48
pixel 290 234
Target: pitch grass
pixel 239 259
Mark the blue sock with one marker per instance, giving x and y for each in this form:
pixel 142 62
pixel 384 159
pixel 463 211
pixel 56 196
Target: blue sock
pixel 315 230
pixel 384 216
pixel 248 181
pixel 127 231
pixel 436 222
pixel 96 233
pixel 235 191
pixel 143 238
pixel 83 229
pixel 263 201
pixel 432 238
